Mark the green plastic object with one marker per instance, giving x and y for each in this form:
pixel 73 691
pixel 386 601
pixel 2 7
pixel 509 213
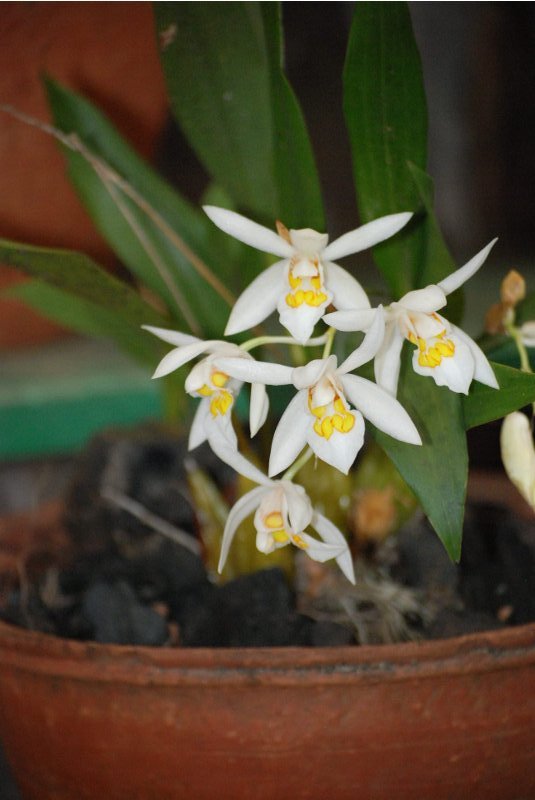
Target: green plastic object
pixel 53 398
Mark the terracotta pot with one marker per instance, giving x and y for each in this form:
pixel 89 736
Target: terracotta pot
pixel 444 719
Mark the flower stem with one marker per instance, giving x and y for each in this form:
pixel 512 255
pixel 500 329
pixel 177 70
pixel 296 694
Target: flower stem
pixel 297 465
pixel 261 340
pixel 516 336
pixel 329 339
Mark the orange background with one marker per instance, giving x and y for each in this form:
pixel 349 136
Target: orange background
pixel 104 50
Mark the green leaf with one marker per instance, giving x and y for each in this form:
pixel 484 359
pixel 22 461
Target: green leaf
pixel 85 317
pixel 83 292
pixel 385 110
pixel 73 113
pixel 437 471
pixel 437 261
pixel 223 67
pixel 484 404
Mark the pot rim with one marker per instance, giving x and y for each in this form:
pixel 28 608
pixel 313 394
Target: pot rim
pixel 47 654
pixel 135 665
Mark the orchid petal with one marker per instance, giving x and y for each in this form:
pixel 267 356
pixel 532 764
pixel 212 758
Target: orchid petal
pixel 229 453
pixel 369 346
pixel 220 427
pixel 311 373
pixel 423 300
pixel 355 319
pixel 173 337
pixel 460 276
pixel 240 511
pixel 197 433
pixel 319 551
pixel 308 241
pixel 383 410
pixel 249 232
pixel 300 321
pixel 387 362
pixel 180 356
pixel 251 371
pixel 346 290
pixel 341 449
pixel 290 435
pixel 258 300
pixel 259 407
pixel 299 506
pixel 455 372
pixel 366 236
pixel 330 534
pixel 483 371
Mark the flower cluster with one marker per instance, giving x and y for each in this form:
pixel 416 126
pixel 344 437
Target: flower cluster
pixel 326 415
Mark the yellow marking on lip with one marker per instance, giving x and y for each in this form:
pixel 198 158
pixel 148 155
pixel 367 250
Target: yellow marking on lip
pixel 327 427
pixel 432 355
pixel 274 520
pixel 219 379
pixel 205 391
pixel 281 537
pixel 294 282
pixel 317 427
pixel 349 422
pixel 343 421
pixel 299 541
pixel 220 403
pixel 338 422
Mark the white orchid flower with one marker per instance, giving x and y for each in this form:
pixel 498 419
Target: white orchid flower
pixel 282 512
pixel 320 414
pixel 442 350
pixel 207 381
pixel 306 281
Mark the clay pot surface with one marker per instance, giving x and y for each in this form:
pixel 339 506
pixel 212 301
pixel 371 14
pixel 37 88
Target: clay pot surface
pixel 443 720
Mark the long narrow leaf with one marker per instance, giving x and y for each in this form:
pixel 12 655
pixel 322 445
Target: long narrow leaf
pixel 222 63
pixel 74 113
pixel 77 275
pixel 385 110
pixel 88 318
pixel 437 471
pixel 483 404
pixel 437 261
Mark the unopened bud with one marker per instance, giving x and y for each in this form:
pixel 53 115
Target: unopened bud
pixel 513 288
pixel 495 318
pixel 518 454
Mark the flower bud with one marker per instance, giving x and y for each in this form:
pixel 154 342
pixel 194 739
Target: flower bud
pixel 513 288
pixel 495 318
pixel 518 454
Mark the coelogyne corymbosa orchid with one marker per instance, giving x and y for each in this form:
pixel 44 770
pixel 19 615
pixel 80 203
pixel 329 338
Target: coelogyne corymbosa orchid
pixel 306 281
pixel 207 381
pixel 282 513
pixel 442 350
pixel 320 414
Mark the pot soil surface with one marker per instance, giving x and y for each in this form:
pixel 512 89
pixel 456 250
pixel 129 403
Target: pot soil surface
pixel 120 581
